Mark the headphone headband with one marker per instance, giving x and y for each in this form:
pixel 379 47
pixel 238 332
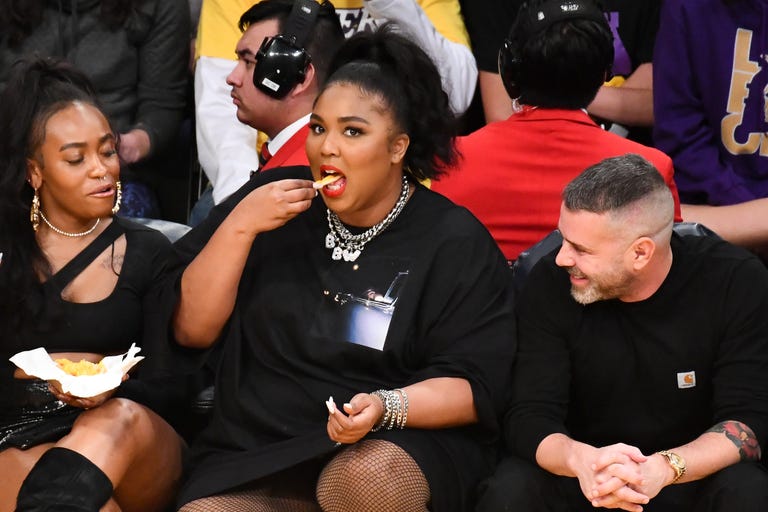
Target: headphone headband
pixel 532 18
pixel 301 20
pixel 548 13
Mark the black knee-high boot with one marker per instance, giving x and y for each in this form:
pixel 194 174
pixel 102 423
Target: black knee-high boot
pixel 64 481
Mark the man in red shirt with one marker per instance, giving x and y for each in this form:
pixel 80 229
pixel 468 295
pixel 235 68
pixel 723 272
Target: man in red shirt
pixel 274 93
pixel 282 57
pixel 512 172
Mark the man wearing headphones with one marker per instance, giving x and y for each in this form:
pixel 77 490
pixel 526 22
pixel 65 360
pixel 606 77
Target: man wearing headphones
pixel 275 110
pixel 282 56
pixel 557 55
pixel 227 150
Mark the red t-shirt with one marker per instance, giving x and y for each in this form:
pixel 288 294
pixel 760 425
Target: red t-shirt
pixel 512 172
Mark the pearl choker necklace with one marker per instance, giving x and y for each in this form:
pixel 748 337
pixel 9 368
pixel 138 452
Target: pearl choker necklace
pixel 344 244
pixel 64 233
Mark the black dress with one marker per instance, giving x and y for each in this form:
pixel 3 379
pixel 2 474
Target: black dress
pixel 429 297
pixel 29 414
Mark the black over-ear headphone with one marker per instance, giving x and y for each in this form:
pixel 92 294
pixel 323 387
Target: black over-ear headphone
pixel 532 18
pixel 282 61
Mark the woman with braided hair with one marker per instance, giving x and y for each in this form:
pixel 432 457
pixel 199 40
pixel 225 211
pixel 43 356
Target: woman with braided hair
pixel 365 322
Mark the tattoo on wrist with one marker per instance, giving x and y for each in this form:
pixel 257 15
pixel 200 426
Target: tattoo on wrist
pixel 741 436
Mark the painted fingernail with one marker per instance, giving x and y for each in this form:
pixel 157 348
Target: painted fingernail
pixel 330 405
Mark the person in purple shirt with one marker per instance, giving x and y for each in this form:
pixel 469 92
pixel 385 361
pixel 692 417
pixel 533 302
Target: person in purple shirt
pixel 710 111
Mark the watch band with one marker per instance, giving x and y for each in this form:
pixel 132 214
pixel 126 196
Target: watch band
pixel 676 461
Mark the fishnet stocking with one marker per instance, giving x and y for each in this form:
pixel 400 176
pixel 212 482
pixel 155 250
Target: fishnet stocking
pixel 370 476
pixel 290 490
pixel 253 500
pixel 373 476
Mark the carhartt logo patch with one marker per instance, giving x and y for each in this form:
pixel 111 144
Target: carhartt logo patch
pixel 686 380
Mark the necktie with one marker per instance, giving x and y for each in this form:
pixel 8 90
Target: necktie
pixel 264 156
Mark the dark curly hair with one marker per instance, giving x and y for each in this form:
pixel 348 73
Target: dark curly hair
pixel 19 18
pixel 563 65
pixel 389 65
pixel 36 90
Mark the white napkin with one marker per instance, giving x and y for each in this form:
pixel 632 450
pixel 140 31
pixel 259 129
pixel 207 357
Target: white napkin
pixel 37 363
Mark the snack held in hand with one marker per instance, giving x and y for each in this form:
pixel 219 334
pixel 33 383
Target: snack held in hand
pixel 330 178
pixel 81 367
pixel 102 376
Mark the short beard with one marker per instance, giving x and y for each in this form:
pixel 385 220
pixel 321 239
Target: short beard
pixel 587 296
pixel 617 285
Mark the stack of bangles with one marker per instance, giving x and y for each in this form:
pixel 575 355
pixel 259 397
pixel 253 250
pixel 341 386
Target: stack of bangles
pixel 395 404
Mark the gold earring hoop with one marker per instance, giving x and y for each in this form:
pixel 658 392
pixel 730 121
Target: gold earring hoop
pixel 34 212
pixel 119 198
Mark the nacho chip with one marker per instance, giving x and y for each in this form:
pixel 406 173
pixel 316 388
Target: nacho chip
pixel 81 367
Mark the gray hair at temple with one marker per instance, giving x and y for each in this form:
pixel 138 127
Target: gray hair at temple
pixel 628 188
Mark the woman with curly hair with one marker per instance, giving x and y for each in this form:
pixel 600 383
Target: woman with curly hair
pixel 365 323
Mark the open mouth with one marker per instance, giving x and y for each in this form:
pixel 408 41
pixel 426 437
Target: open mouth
pixel 326 180
pixel 332 183
pixel 577 276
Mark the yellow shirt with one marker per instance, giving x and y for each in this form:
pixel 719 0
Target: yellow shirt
pixel 217 32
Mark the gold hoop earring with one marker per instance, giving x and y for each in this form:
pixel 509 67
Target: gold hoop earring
pixel 34 212
pixel 119 198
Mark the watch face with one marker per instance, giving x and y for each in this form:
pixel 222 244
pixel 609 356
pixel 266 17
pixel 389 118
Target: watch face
pixel 676 461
